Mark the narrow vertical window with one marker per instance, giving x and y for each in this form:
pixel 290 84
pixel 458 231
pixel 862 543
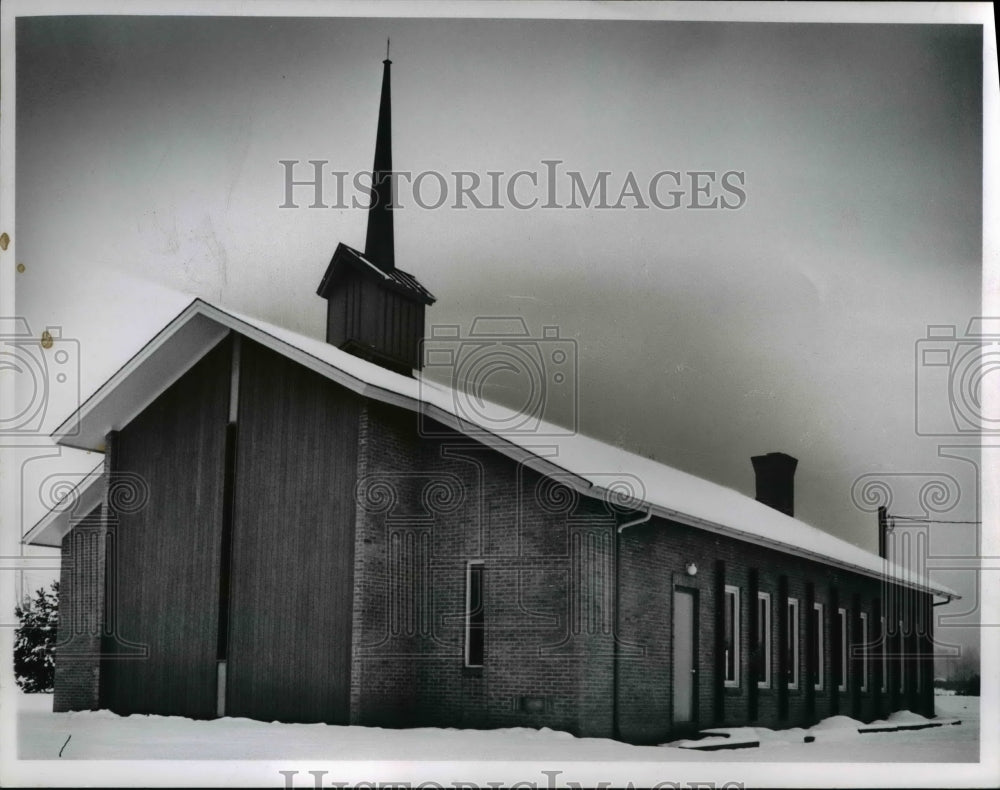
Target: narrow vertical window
pixel 864 651
pixel 842 668
pixel 817 629
pixel 792 644
pixel 885 659
pixel 731 658
pixel 902 659
pixel 474 615
pixel 763 640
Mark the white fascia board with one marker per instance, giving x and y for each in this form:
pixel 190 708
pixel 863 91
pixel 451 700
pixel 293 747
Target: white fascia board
pixel 161 362
pixel 71 509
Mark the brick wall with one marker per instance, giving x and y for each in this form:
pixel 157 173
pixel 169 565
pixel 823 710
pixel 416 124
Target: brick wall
pixel 654 557
pixel 429 506
pixel 81 599
pixel 82 592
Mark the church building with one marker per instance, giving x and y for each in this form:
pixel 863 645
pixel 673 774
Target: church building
pixel 305 531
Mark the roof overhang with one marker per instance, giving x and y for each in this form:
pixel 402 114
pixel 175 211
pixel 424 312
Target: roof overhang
pixel 345 257
pixel 201 326
pixel 891 574
pixel 79 503
pixel 161 362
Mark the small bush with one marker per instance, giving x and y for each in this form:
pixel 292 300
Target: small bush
pixel 34 640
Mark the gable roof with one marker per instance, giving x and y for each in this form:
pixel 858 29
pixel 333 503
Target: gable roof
pixel 586 465
pixel 76 505
pixel 345 257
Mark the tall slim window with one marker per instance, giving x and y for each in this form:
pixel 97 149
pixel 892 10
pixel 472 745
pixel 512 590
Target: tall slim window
pixel 864 651
pixel 902 659
pixel 885 658
pixel 792 644
pixel 732 638
pixel 819 663
pixel 842 668
pixel 763 640
pixel 474 615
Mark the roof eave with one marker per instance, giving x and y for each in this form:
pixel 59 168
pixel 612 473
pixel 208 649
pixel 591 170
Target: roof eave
pixel 153 368
pixel 191 347
pixel 79 503
pixel 346 255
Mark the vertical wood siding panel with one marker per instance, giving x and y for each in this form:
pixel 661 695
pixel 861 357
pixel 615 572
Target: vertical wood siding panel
pixel 337 316
pixel 166 555
pixel 371 313
pixel 292 564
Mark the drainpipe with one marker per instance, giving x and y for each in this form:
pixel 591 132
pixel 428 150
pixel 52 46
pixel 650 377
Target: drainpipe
pixel 614 671
pixel 636 522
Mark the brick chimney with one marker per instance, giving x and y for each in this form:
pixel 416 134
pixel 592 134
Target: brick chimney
pixel 775 474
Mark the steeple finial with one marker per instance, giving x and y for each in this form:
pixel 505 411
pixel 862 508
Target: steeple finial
pixel 379 247
pixel 387 49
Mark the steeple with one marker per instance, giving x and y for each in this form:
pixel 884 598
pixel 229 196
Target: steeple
pixel 379 248
pixel 374 310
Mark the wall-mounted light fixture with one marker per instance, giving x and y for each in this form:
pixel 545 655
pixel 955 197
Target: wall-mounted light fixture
pixel 692 569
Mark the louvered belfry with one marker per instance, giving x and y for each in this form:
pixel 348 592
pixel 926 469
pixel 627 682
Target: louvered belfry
pixel 374 310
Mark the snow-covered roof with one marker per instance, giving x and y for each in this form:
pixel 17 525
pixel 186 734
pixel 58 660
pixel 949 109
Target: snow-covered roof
pixel 401 281
pixel 585 464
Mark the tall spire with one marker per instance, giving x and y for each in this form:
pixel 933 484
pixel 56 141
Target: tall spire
pixel 379 248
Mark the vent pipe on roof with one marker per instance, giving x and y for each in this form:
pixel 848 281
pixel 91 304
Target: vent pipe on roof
pixel 883 532
pixel 775 474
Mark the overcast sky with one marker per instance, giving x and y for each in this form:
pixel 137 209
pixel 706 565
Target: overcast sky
pixel 148 157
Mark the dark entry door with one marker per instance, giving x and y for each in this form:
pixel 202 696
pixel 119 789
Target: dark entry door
pixel 685 657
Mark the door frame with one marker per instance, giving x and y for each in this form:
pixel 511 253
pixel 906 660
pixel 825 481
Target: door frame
pixel 695 594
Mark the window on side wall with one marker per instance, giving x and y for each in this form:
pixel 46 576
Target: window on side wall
pixel 792 645
pixel 763 640
pixel 731 647
pixel 902 659
pixel 864 651
pixel 820 661
pixel 475 621
pixel 885 658
pixel 842 668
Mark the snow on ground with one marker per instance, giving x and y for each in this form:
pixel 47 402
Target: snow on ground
pixel 103 735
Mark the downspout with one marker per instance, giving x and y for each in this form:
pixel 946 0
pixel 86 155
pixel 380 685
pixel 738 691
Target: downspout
pixel 636 522
pixel 614 670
